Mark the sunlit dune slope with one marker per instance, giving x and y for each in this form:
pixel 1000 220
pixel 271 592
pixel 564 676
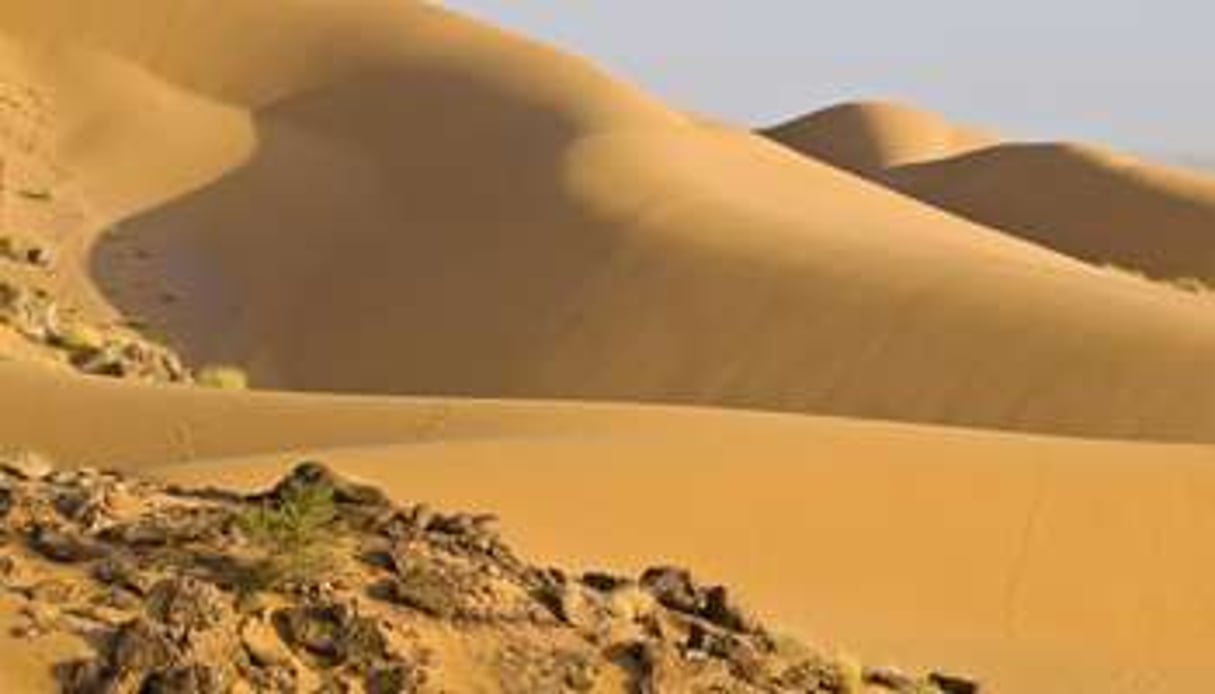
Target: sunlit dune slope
pixel 1077 199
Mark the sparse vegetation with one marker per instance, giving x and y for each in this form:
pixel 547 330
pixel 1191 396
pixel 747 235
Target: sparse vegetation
pixel 291 533
pixel 222 377
pixel 363 591
pixel 76 337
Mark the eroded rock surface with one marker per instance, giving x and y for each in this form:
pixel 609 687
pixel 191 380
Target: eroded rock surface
pixel 325 585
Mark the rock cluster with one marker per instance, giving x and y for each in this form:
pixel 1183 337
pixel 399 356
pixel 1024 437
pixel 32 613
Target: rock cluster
pixel 25 251
pixel 36 316
pixel 164 583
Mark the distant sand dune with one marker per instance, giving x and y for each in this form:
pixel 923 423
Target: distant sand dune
pixel 1079 200
pixel 870 137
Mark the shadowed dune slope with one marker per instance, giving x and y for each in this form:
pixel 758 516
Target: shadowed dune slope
pixel 1079 200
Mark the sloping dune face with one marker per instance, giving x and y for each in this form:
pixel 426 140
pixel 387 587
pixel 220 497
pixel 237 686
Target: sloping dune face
pixel 1079 200
pixel 434 207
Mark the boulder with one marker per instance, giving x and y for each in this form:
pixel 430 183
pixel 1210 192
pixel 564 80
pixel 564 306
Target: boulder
pixel 187 604
pixel 62 546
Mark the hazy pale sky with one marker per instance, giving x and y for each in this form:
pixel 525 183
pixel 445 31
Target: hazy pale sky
pixel 1139 74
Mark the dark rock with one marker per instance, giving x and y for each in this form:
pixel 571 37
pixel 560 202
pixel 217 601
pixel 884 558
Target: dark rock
pixel 676 590
pixel 123 572
pixel 82 677
pixel 571 604
pixel 175 528
pixel 426 590
pixel 333 633
pixel 62 547
pixel 190 679
pixel 811 675
pixel 673 588
pixel 720 610
pixel 187 604
pixel 890 679
pixel 397 678
pixel 141 646
pixel 7 501
pixel 650 662
pixel 86 507
pixel 952 684
pixel 312 474
pixel 604 583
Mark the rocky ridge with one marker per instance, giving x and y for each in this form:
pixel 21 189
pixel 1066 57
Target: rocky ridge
pixel 325 585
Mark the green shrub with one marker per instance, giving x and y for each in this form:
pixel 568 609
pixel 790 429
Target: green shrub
pixel 292 533
pixel 222 378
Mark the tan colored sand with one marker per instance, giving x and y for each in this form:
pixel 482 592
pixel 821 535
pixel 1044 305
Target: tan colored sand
pixel 1081 200
pixel 1043 564
pixel 1048 566
pixel 872 136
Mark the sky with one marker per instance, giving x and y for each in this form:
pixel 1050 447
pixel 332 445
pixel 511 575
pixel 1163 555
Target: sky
pixel 1134 74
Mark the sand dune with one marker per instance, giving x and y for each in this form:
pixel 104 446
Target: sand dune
pixel 869 137
pixel 1080 200
pixel 382 197
pixel 461 227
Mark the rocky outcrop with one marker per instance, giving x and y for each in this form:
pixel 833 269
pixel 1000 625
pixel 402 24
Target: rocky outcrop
pixel 172 588
pixel 36 316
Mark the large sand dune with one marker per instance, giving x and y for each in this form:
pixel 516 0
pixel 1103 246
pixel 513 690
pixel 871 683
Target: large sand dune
pixel 1091 204
pixel 461 225
pixel 382 197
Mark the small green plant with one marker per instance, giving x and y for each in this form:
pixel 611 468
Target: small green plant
pixel 75 336
pixel 292 533
pixel 1192 285
pixel 851 674
pixel 222 378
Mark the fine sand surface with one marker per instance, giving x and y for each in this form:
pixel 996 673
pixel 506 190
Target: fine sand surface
pixel 382 197
pixel 1089 203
